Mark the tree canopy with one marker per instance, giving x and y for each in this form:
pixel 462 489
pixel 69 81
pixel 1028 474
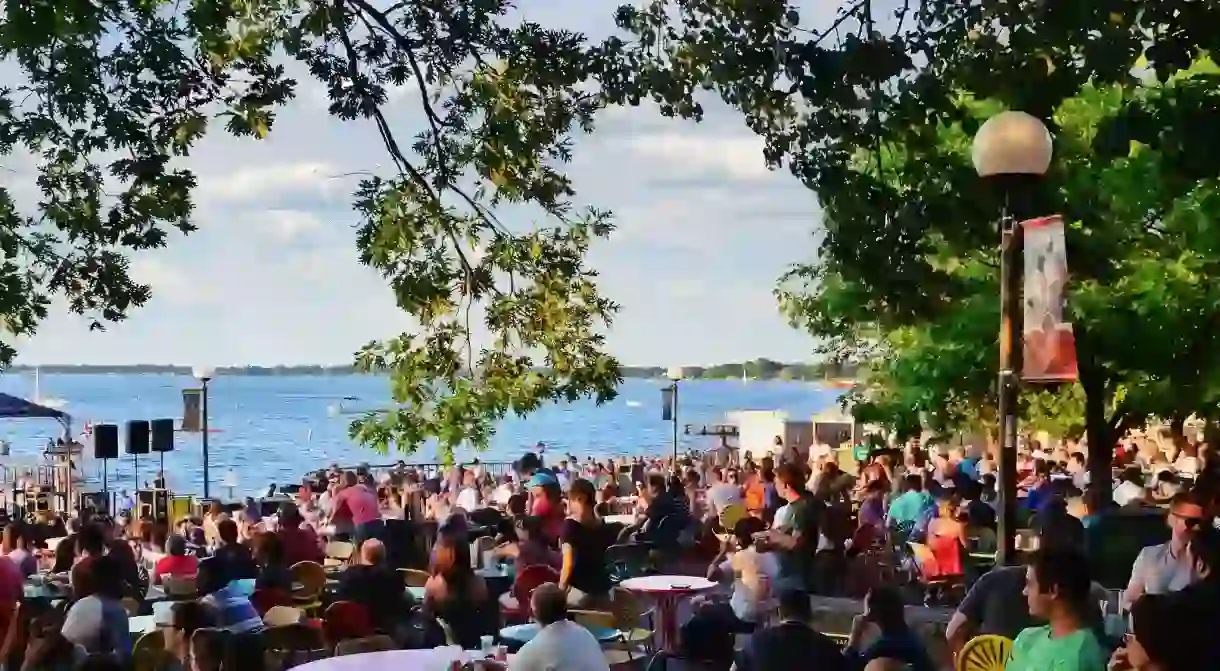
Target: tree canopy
pixel 874 114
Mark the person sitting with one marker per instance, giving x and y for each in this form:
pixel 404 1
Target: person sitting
pixel 884 611
pixel 234 611
pixel 1058 589
pixel 1164 637
pixel 299 542
pixel 16 547
pixel 752 573
pixel 177 563
pixel 186 617
pixel 907 509
pixel 583 541
pixel 374 585
pixel 90 545
pixel 1168 567
pixel 98 622
pixel 455 594
pixel 529 548
pixel 560 644
pixel 793 643
pixel 273 571
pixel 237 558
pixel 663 506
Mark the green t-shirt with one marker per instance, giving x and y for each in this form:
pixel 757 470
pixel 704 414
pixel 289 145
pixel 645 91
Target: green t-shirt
pixel 861 452
pixel 1035 650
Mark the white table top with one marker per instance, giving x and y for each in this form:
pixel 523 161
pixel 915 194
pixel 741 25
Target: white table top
pixel 141 624
pixel 421 660
pixel 627 520
pixel 667 583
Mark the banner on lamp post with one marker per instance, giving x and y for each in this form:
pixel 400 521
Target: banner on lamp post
pixel 191 410
pixel 1048 345
pixel 667 404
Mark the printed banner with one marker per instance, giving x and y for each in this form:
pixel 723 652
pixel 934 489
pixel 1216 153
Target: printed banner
pixel 191 410
pixel 1048 345
pixel 667 404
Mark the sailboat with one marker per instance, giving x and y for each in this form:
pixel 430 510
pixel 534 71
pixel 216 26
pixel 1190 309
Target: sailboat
pixel 48 402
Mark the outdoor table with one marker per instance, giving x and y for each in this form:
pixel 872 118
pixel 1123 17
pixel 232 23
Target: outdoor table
pixel 416 593
pixel 142 624
pixel 392 660
pixel 667 590
pixel 45 591
pixel 625 520
pixel 983 557
pixel 524 633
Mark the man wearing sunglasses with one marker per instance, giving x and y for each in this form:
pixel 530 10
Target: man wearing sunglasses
pixel 1168 567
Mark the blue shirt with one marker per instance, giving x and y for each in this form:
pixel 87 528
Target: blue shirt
pixel 910 507
pixel 903 646
pixel 236 613
pixel 1037 497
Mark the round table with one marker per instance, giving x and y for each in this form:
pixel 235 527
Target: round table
pixel 142 624
pixel 388 660
pixel 667 590
pixel 524 633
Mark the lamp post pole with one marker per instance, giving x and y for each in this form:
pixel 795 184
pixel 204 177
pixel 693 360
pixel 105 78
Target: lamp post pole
pixel 1012 149
pixel 675 374
pixel 203 425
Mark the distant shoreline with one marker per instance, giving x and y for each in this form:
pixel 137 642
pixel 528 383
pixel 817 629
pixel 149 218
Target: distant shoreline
pixel 761 369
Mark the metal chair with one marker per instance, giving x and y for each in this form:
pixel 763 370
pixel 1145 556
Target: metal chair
pixel 984 653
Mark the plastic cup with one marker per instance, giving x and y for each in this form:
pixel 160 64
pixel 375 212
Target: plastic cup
pixel 487 644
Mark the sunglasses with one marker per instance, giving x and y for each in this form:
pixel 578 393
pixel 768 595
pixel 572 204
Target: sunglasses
pixel 1190 522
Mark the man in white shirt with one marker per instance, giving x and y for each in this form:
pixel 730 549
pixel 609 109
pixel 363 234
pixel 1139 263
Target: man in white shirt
pixel 1130 489
pixel 720 493
pixel 561 645
pixel 1169 567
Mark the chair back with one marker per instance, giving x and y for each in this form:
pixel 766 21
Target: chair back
pixel 340 551
pixel 293 644
pixel 984 653
pixel 311 576
pixel 414 577
pixel 149 653
pixel 357 646
pixel 346 619
pixel 528 579
pixel 924 558
pixel 451 637
pixel 481 544
pixel 180 586
pixel 730 515
pixel 282 616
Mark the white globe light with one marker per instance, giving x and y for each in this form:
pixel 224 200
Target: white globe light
pixel 674 373
pixel 203 372
pixel 1012 143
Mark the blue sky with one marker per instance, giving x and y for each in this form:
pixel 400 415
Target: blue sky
pixel 272 277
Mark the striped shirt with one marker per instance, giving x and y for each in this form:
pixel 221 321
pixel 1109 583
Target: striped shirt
pixel 236 613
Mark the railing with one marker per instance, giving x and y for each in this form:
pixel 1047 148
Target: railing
pixel 432 470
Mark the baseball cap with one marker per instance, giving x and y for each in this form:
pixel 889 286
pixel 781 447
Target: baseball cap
pixel 541 479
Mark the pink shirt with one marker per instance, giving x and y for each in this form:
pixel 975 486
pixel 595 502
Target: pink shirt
pixel 361 502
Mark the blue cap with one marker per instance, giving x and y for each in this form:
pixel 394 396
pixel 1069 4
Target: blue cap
pixel 542 479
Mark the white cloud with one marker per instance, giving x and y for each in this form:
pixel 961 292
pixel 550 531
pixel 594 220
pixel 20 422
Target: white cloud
pixel 248 184
pixel 735 157
pixel 172 283
pixel 291 225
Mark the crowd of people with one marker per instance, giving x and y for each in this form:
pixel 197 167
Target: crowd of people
pixel 771 534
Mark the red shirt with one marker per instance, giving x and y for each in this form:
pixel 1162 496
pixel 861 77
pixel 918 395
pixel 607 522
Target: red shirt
pixel 552 517
pixel 177 566
pixel 300 544
pixel 360 503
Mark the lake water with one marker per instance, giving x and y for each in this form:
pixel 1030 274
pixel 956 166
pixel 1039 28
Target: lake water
pixel 273 429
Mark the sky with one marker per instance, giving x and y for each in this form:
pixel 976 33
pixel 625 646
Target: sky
pixel 272 276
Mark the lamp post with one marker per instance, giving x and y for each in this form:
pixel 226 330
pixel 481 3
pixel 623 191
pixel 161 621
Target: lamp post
pixel 1013 150
pixel 674 374
pixel 204 374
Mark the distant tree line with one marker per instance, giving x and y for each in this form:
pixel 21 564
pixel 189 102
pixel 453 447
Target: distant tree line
pixel 758 369
pixel 150 368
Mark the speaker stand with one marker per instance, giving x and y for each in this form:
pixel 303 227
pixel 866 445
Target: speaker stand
pixel 106 483
pixel 135 458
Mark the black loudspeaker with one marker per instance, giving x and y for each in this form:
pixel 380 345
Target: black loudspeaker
pixel 162 435
pixel 105 441
pixel 98 502
pixel 137 436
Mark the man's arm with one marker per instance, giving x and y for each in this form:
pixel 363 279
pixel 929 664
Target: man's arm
pixel 969 615
pixel 1136 586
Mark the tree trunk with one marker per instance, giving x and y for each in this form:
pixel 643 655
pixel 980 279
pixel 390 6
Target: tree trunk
pixel 1097 429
